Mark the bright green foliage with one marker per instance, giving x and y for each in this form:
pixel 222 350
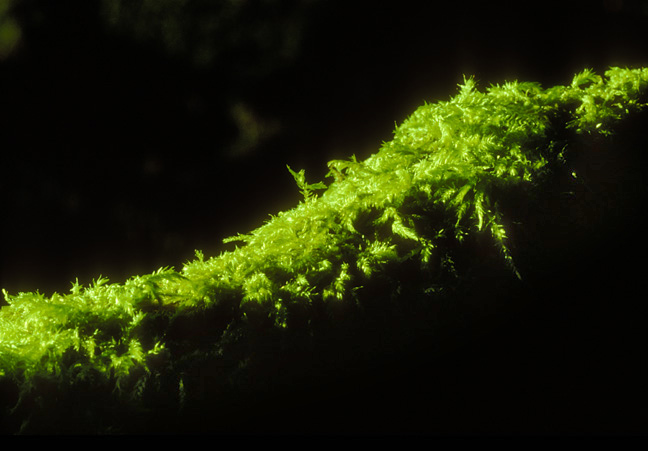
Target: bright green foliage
pixel 430 189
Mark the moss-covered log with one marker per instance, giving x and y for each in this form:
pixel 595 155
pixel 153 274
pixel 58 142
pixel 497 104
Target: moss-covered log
pixel 366 301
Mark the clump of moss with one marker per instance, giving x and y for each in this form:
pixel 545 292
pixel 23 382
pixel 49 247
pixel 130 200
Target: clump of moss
pixel 385 236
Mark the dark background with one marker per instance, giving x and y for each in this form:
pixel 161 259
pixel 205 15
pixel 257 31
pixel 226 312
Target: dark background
pixel 129 140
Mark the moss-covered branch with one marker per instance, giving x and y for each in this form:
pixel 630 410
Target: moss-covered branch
pixel 393 227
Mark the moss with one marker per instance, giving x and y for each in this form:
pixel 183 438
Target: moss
pixel 365 265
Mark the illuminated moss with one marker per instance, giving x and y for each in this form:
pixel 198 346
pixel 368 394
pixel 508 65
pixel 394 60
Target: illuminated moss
pixel 414 204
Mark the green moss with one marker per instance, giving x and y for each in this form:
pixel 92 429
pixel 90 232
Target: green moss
pixel 393 228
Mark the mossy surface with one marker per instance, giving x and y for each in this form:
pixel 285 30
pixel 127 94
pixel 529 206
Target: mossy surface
pixel 388 262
